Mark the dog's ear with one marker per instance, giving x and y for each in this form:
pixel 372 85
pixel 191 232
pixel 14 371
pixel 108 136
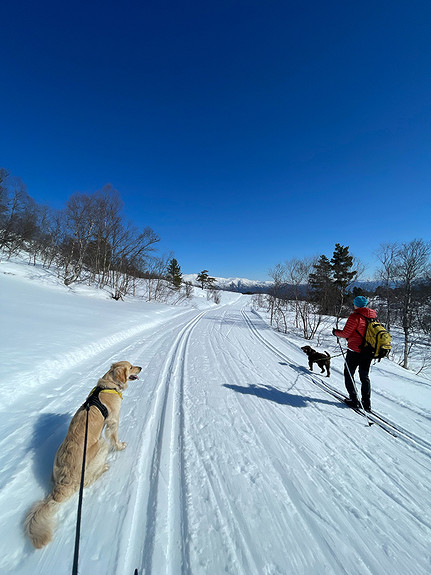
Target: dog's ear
pixel 121 374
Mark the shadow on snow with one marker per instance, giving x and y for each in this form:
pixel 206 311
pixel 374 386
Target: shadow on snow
pixel 49 431
pixel 282 397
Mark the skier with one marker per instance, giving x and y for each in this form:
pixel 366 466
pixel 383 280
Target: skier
pixel 354 332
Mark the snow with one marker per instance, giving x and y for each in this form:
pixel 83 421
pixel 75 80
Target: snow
pixel 237 462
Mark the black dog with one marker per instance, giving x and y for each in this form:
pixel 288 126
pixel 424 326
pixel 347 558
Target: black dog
pixel 322 359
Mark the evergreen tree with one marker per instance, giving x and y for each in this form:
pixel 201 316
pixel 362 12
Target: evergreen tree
pixel 322 285
pixel 341 264
pixel 204 279
pixel 173 273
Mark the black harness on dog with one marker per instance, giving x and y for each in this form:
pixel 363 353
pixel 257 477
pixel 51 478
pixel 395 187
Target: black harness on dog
pixel 93 399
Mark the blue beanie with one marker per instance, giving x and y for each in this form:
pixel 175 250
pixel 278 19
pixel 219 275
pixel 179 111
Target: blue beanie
pixel 360 301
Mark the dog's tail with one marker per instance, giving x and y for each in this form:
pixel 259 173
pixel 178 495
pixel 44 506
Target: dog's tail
pixel 39 523
pixel 327 354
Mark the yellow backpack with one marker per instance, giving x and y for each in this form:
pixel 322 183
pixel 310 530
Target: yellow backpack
pixel 377 340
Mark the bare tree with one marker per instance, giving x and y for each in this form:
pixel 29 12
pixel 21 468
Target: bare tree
pixel 4 196
pixel 54 235
pixel 386 254
pixel 412 264
pixel 17 216
pixel 188 289
pixel 80 221
pixel 296 274
pixel 214 295
pixel 87 240
pixel 154 274
pixel 278 276
pixel 131 249
pixel 107 206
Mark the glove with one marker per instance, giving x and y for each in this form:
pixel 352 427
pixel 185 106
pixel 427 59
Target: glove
pixel 333 331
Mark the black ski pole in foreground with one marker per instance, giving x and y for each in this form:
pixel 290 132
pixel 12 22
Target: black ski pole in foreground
pixel 370 423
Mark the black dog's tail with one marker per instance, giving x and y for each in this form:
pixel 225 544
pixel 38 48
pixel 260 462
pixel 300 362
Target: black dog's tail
pixel 328 354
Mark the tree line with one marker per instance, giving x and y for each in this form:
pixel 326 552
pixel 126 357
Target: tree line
pixel 322 287
pixel 89 240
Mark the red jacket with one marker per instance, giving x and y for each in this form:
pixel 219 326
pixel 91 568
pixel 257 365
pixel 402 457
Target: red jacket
pixel 355 323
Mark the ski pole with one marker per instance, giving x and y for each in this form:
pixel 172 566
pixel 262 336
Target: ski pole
pixel 370 423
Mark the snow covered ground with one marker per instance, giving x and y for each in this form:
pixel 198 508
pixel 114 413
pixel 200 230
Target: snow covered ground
pixel 237 461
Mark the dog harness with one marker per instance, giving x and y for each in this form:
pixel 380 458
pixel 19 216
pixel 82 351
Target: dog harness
pixel 93 399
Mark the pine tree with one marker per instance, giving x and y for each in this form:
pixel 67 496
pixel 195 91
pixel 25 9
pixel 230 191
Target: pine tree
pixel 173 273
pixel 204 279
pixel 342 263
pixel 322 285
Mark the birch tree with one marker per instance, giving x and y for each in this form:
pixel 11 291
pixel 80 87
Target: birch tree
pixel 412 264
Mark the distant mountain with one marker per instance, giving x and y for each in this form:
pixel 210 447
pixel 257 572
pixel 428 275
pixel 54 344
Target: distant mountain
pixel 243 285
pixel 240 285
pixel 367 285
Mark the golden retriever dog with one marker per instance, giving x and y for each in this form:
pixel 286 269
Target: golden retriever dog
pixel 103 415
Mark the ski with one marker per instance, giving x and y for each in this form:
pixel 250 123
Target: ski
pixel 379 420
pixel 341 397
pixel 359 410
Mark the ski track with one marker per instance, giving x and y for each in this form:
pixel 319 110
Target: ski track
pixel 416 514
pixel 136 352
pixel 287 490
pixel 306 516
pixel 311 520
pixel 167 480
pixel 208 451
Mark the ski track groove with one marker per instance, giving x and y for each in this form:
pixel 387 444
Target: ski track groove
pixel 246 559
pixel 176 358
pixel 222 500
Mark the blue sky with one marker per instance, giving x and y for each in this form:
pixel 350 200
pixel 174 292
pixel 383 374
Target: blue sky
pixel 243 132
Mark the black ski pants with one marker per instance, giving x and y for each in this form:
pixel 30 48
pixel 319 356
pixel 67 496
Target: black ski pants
pixel 353 361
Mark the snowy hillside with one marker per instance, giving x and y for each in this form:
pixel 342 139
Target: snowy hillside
pixel 238 461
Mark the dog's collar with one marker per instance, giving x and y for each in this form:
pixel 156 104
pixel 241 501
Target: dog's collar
pixel 104 390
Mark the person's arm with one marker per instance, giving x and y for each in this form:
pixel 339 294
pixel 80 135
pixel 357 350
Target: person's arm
pixel 349 328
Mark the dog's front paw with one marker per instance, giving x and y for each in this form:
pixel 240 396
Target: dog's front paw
pixel 121 445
